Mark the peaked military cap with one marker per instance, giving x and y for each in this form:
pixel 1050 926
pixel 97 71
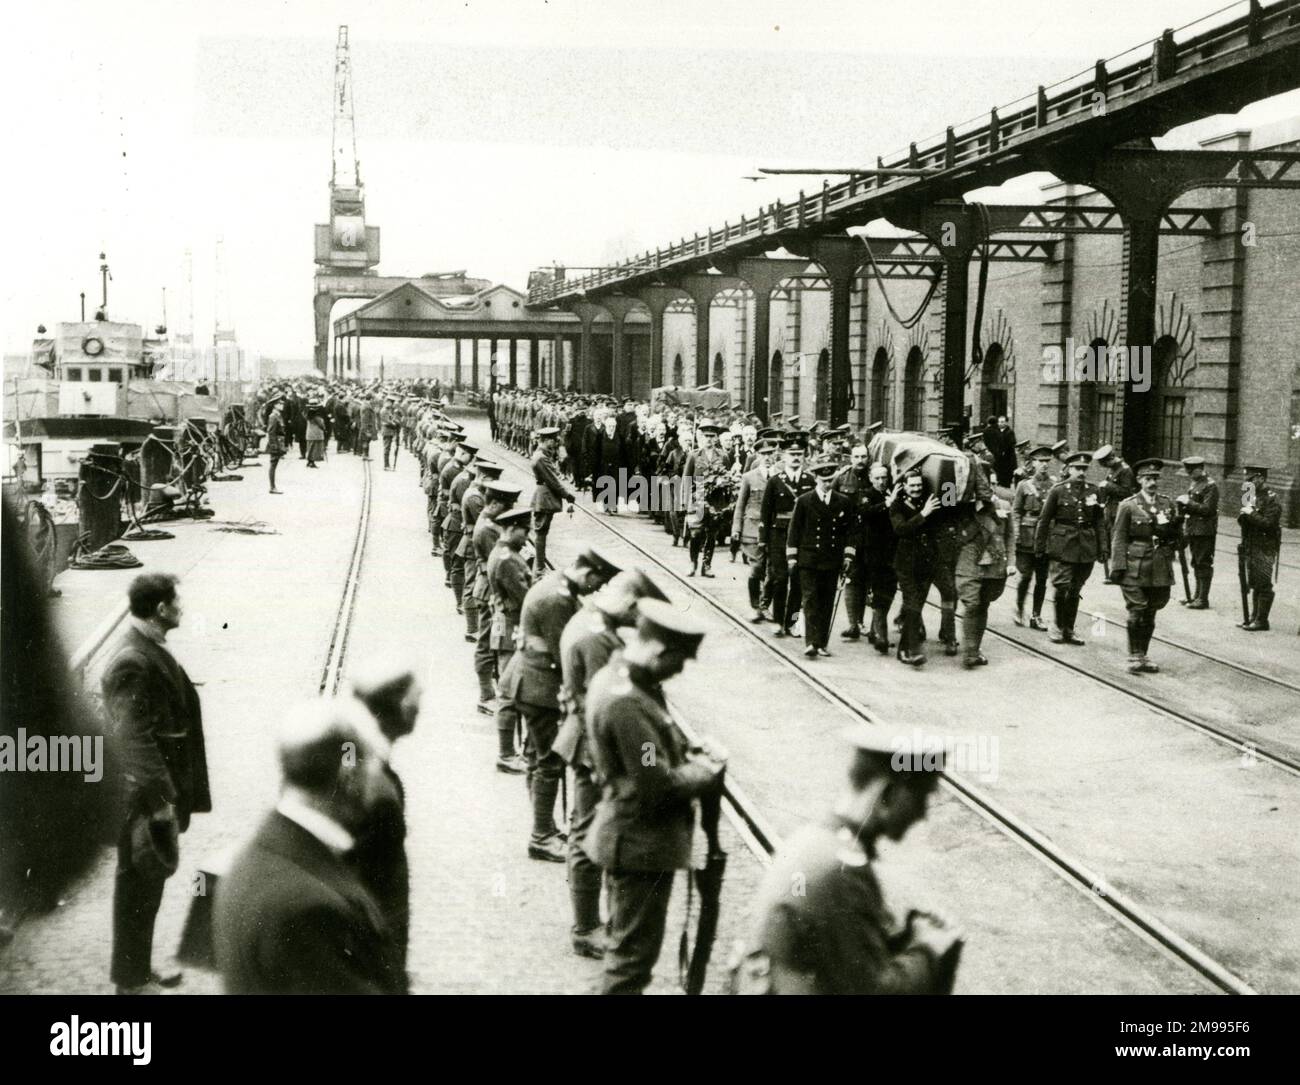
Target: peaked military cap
pixel 593 558
pixel 819 425
pixel 1022 445
pixel 496 490
pixel 670 625
pixel 516 518
pixel 709 427
pixel 1060 448
pixel 1103 452
pixel 794 442
pixel 914 752
pixel 768 433
pixel 875 427
pixel 465 446
pixel 823 468
pixel 549 431
pixel 1249 470
pixel 1151 466
pixel 640 584
pixel 489 470
pixel 1078 459
pixel 1042 452
pixel 1193 461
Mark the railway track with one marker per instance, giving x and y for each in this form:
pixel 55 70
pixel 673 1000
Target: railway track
pixel 336 654
pixel 1119 905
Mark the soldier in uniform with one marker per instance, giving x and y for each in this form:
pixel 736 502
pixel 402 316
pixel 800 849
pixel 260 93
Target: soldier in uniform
pixel 509 579
pixel 1026 507
pixel 779 497
pixel 854 482
pixel 836 935
pixel 586 645
pixel 532 684
pixel 1142 556
pixel 822 542
pixel 464 452
pixel 497 498
pixel 1200 506
pixel 454 528
pixel 1120 483
pixel 915 556
pixel 1072 533
pixel 879 544
pixel 981 569
pixel 705 464
pixel 746 525
pixel 471 506
pixel 391 424
pixel 550 495
pixel 642 830
pixel 1261 540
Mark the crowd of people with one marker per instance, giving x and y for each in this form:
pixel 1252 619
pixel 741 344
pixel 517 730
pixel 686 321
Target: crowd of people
pixel 571 663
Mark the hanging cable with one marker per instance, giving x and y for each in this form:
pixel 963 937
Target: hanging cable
pixel 909 322
pixel 976 347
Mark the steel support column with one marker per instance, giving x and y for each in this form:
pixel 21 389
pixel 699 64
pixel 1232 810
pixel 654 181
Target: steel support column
pixel 703 289
pixel 618 308
pixel 534 363
pixel 657 299
pixel 473 364
pixel 586 313
pixel 456 372
pixel 514 362
pixel 763 276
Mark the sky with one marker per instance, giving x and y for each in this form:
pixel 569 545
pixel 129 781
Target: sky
pixel 492 136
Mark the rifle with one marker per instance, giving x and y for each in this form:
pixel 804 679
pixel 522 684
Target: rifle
pixel 708 880
pixel 1244 579
pixel 1182 564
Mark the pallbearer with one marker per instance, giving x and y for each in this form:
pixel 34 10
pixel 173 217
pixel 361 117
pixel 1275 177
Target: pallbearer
pixel 532 683
pixel 588 642
pixel 880 546
pixel 641 834
pixel 1142 559
pixel 1200 526
pixel 915 556
pixel 853 480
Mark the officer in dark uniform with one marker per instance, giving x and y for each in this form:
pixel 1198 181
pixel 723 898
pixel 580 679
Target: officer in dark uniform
pixel 782 491
pixel 550 495
pixel 1120 483
pixel 1142 559
pixel 914 559
pixel 1261 540
pixel 642 830
pixel 1026 507
pixel 854 482
pixel 880 544
pixel 1072 533
pixel 532 684
pixel 821 543
pixel 586 645
pixel 1200 506
pixel 836 935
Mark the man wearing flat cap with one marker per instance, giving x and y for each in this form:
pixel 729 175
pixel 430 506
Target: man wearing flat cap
pixel 642 830
pixel 532 682
pixel 588 642
pixel 836 935
pixel 1200 506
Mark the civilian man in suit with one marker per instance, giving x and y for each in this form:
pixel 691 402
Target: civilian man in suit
pixel 158 723
pixel 293 916
pixel 391 694
pixel 821 541
pixel 550 495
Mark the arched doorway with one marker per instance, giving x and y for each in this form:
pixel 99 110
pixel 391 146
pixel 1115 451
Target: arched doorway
pixel 1096 397
pixel 679 374
pixel 1172 416
pixel 995 388
pixel 719 374
pixel 882 392
pixel 822 404
pixel 776 385
pixel 914 391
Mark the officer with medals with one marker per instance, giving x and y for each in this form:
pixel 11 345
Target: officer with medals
pixel 586 645
pixel 836 935
pixel 1026 507
pixel 1261 540
pixel 746 525
pixel 779 497
pixel 550 495
pixel 1072 534
pixel 531 684
pixel 1120 483
pixel 643 827
pixel 821 543
pixel 1142 559
pixel 701 469
pixel 1200 505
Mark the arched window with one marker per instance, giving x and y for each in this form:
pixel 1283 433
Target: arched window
pixel 1172 416
pixel 1096 396
pixel 995 389
pixel 882 392
pixel 776 384
pixel 914 391
pixel 678 372
pixel 823 385
pixel 719 374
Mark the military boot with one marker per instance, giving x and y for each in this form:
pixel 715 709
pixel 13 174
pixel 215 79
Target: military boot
pixel 1148 628
pixel 879 634
pixel 1022 590
pixel 1134 648
pixel 1263 604
pixel 1202 600
pixel 909 646
pixel 948 628
pixel 972 635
